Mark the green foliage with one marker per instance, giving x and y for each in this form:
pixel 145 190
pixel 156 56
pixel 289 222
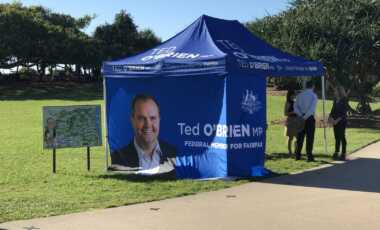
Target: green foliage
pixel 344 35
pixel 146 38
pixel 121 38
pixel 117 39
pixel 35 36
pixel 26 73
pixel 376 90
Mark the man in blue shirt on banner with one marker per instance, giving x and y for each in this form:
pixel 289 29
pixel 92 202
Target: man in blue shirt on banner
pixel 145 154
pixel 304 107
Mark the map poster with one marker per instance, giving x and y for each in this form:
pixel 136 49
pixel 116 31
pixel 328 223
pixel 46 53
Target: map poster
pixel 71 126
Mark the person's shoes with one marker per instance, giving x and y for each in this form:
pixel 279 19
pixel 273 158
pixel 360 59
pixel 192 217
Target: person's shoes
pixel 335 156
pixel 310 159
pixel 342 157
pixel 298 157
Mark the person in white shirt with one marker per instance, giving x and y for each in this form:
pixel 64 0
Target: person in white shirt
pixel 145 154
pixel 305 106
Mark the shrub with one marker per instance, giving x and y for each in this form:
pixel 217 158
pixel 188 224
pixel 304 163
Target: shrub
pixel 376 90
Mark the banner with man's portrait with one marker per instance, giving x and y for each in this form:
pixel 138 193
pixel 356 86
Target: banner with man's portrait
pixel 198 127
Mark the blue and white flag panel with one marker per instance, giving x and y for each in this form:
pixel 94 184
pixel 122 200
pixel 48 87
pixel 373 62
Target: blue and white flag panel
pixel 246 118
pixel 216 123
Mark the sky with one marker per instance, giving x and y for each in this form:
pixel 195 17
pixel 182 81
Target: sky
pixel 165 17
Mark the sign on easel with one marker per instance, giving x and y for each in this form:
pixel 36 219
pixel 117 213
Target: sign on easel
pixel 71 126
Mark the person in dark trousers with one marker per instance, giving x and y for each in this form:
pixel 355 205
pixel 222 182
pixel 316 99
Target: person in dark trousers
pixel 305 105
pixel 338 117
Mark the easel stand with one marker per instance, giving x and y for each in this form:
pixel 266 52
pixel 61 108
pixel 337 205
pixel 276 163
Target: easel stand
pixel 54 160
pixel 88 159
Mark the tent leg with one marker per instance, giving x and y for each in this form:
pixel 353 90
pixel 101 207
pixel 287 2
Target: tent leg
pixel 105 124
pixel 324 112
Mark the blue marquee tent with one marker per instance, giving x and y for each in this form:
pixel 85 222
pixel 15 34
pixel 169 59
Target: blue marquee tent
pixel 209 82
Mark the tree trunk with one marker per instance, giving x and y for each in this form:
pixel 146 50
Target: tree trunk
pixel 39 72
pixel 51 73
pixel 78 73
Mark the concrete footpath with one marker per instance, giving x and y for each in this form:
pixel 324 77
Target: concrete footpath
pixel 337 196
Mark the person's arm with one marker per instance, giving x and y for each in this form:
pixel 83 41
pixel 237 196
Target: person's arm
pixel 332 111
pixel 330 119
pixel 296 109
pixel 286 108
pixel 312 107
pixel 346 106
pixel 341 110
pixel 336 121
pixel 46 134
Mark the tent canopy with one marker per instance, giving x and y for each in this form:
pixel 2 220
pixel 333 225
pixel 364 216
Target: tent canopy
pixel 210 83
pixel 212 46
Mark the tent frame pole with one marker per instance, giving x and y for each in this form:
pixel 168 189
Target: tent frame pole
pixel 105 124
pixel 324 111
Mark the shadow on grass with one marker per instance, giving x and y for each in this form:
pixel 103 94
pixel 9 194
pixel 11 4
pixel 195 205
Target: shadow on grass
pixel 320 158
pixel 76 91
pixel 355 175
pixel 172 177
pixel 139 178
pixel 269 176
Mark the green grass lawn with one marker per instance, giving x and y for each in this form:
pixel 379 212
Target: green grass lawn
pixel 28 188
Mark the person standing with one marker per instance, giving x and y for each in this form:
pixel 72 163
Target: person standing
pixel 291 128
pixel 338 117
pixel 304 107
